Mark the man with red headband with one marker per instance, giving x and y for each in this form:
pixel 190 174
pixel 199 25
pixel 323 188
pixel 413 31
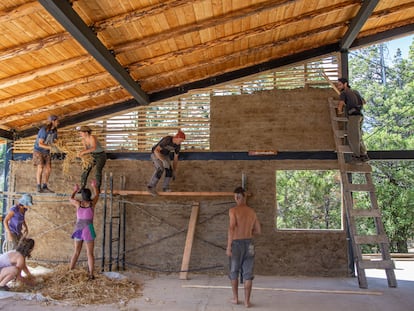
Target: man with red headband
pixel 162 161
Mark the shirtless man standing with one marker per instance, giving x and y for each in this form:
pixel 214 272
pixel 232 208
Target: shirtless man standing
pixel 243 225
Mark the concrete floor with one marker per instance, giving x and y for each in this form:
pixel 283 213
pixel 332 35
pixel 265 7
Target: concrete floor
pixel 210 293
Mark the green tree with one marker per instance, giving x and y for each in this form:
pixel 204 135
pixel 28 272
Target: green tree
pixel 308 200
pixel 388 125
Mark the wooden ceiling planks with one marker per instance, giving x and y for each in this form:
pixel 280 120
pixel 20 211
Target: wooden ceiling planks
pixel 396 16
pixel 215 50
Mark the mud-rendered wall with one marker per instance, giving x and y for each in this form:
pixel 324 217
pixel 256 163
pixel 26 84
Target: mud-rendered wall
pixel 156 227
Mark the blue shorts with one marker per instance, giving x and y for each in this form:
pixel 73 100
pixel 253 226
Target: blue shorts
pixel 242 259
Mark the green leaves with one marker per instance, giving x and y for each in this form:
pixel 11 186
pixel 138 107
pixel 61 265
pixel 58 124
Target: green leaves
pixel 308 200
pixel 389 125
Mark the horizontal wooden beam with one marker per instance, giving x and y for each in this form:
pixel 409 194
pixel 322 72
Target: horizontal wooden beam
pixel 64 103
pixel 175 193
pixel 131 192
pixel 270 27
pixel 199 66
pixel 178 32
pixel 244 72
pixel 318 291
pixel 87 115
pixel 369 39
pixel 15 100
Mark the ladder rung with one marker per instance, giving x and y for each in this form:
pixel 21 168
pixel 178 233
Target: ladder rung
pixel 115 239
pixel 359 187
pixel 341 119
pixel 361 168
pixel 344 149
pixel 377 264
pixel 370 239
pixel 340 133
pixel 365 213
pixel 333 103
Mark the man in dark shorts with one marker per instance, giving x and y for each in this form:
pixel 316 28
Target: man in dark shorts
pixel 243 226
pixel 46 137
pixel 162 162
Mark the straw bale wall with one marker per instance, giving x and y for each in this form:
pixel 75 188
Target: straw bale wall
pixel 156 227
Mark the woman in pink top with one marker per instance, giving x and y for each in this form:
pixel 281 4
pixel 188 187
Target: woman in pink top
pixel 84 230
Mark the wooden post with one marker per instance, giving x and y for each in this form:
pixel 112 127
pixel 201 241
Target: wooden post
pixel 189 241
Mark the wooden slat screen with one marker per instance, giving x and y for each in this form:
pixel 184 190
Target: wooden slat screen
pixel 140 129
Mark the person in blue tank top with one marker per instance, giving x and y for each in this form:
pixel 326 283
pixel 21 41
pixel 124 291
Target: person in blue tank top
pixel 46 137
pixel 93 146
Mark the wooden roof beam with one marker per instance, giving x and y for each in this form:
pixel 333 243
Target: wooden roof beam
pixel 244 34
pixel 61 104
pixel 357 22
pixel 34 46
pixel 242 53
pixel 20 11
pixel 158 8
pixel 86 115
pixel 402 27
pixel 71 21
pixel 14 100
pixel 35 73
pixel 244 72
pixel 385 35
pixel 208 23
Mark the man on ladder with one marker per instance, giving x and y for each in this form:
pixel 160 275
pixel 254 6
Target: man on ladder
pixel 353 103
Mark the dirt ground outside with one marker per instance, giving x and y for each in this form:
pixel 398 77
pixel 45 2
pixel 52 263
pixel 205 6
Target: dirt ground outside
pixel 212 292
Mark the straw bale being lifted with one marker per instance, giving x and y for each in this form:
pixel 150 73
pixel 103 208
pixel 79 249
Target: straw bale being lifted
pixel 66 145
pixel 74 287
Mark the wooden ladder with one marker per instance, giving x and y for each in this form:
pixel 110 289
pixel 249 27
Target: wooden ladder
pixel 354 213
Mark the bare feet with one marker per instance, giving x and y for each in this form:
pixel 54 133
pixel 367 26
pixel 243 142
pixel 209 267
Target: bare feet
pixel 247 304
pixel 234 301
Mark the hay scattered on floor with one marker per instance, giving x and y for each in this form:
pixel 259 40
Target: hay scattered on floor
pixel 73 286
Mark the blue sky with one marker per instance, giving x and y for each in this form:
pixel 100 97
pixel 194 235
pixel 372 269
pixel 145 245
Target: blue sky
pixel 403 43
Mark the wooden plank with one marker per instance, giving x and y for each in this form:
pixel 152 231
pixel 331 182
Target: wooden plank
pixel 177 193
pixel 325 291
pixel 344 149
pixel 360 187
pixel 47 70
pixel 330 82
pixel 341 119
pixel 371 239
pixel 377 264
pixel 189 241
pixel 361 168
pixel 340 133
pixel 365 213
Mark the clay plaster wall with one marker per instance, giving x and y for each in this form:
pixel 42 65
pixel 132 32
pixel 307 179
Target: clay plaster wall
pixel 156 227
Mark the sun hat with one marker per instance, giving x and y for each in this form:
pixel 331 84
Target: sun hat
pixel 26 200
